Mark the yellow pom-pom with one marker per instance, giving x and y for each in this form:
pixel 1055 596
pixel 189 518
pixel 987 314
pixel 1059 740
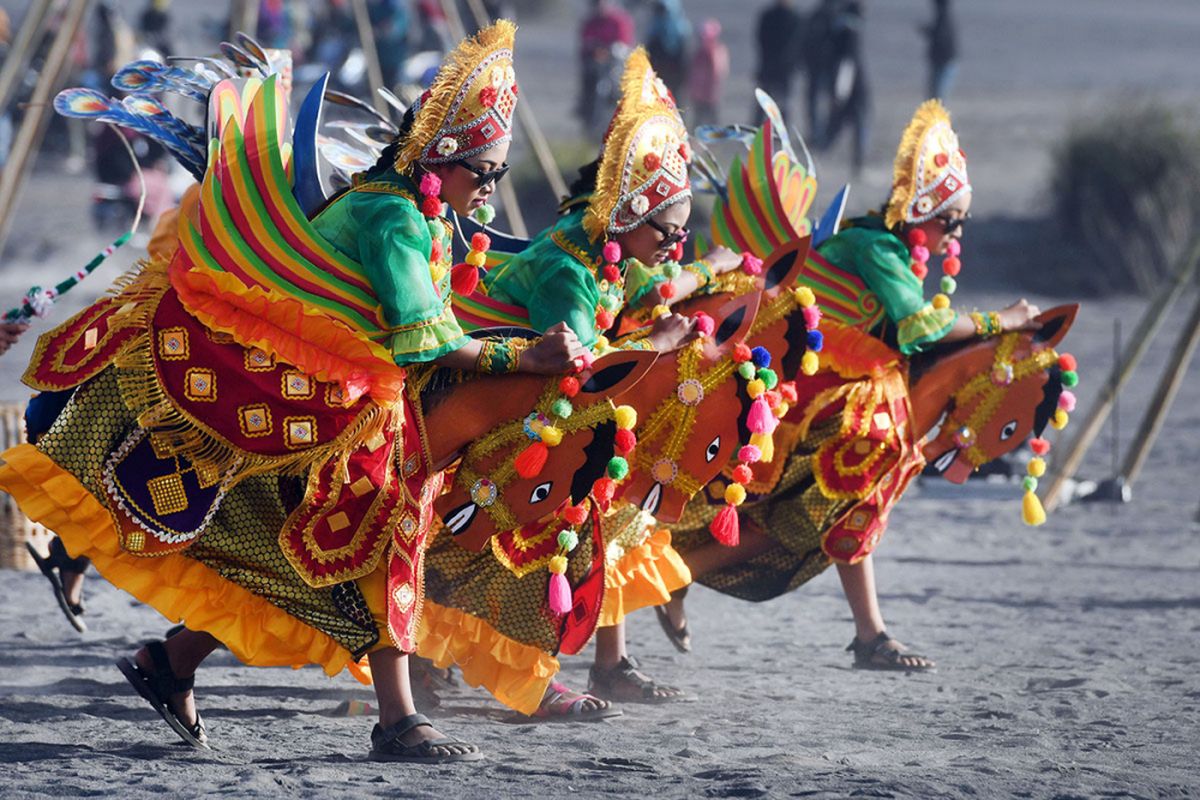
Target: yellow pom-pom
pixel 804 296
pixel 1059 420
pixel 1036 467
pixel 551 436
pixel 658 311
pixel 601 344
pixel 781 410
pixel 558 564
pixel 626 417
pixel 476 258
pixel 940 301
pixel 1031 510
pixel 755 387
pixel 437 271
pixel 810 363
pixel 735 494
pixel 765 443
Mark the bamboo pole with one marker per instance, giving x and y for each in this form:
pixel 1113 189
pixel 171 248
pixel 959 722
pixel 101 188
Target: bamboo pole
pixel 366 37
pixel 1164 396
pixel 33 125
pixel 1152 319
pixel 508 197
pixel 528 120
pixel 18 55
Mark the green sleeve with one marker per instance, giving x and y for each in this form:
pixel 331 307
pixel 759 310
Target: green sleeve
pixel 394 245
pixel 640 280
pixel 882 261
pixel 566 292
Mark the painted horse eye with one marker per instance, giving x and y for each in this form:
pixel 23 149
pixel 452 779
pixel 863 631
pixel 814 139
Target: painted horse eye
pixel 540 492
pixel 1008 431
pixel 714 447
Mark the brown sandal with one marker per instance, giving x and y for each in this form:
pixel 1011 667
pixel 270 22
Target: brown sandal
pixel 626 683
pixel 883 653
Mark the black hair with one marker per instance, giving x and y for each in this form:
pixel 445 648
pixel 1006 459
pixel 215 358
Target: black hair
pixel 387 158
pixel 583 186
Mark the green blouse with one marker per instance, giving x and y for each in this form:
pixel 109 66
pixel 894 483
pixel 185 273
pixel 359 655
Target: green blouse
pixel 555 279
pixel 379 225
pixel 870 251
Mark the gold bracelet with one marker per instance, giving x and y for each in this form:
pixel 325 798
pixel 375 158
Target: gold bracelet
pixel 994 319
pixel 981 324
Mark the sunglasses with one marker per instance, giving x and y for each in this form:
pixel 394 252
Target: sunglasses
pixel 482 176
pixel 952 224
pixel 669 238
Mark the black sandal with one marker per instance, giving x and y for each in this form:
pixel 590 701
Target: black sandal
pixel 158 686
pixel 626 683
pixel 52 567
pixel 386 745
pixel 680 637
pixel 877 655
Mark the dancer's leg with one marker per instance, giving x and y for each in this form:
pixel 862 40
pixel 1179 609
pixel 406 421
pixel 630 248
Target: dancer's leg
pixel 393 692
pixel 858 584
pixel 186 650
pixel 713 555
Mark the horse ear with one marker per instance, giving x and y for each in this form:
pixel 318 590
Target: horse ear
pixel 1055 324
pixel 784 266
pixel 734 321
pixel 616 373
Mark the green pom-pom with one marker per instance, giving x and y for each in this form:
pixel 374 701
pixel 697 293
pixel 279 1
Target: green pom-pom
pixel 618 468
pixel 1070 378
pixel 672 269
pixel 746 370
pixel 949 284
pixel 1029 483
pixel 568 540
pixel 609 302
pixel 768 377
pixel 436 229
pixel 484 214
pixel 561 408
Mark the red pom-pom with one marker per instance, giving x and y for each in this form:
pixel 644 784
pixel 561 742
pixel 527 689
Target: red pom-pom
pixel 1066 362
pixel 481 242
pixel 604 319
pixel 603 491
pixel 625 442
pixel 530 461
pixel 666 290
pixel 569 386
pixel 575 515
pixel 951 265
pixel 725 527
pixel 677 251
pixel 774 398
pixel 916 237
pixel 743 474
pixel 431 207
pixel 435 252
pixel 612 273
pixel 741 352
pixel 920 270
pixel 704 323
pixel 789 393
pixel 651 161
pixel 941 160
pixel 464 278
pixel 1039 446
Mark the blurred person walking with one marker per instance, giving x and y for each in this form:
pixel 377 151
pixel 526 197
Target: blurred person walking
pixel 851 101
pixel 668 43
pixel 710 68
pixel 607 32
pixel 779 34
pixel 154 27
pixel 942 37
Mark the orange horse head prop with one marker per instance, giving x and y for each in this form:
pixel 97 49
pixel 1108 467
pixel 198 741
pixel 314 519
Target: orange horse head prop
pixel 993 393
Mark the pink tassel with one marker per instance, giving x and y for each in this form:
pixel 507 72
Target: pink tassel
pixel 560 594
pixel 725 527
pixel 760 419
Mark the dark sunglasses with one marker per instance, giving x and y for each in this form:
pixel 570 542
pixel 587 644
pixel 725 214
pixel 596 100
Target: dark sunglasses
pixel 669 239
pixel 482 176
pixel 951 224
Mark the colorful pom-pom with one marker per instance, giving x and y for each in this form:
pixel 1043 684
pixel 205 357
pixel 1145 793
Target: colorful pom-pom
pixel 431 185
pixel 672 270
pixel 781 410
pixel 949 285
pixel 1036 467
pixel 1070 378
pixel 624 442
pixel 626 417
pixel 611 273
pixel 575 515
pixel 1066 362
pixel 765 443
pixel 1060 419
pixel 431 206
pixel 751 264
pixel 1031 510
pixel 815 341
pixel 768 377
pixel 609 303
pixel 558 564
pixel 804 296
pixel 437 231
pixel 476 258
pixel 561 408
pixel 749 454
pixel 705 324
pixel 1066 401
pixel 773 398
pixel 761 357
pixel 659 311
pixel 666 290
pixel 569 386
pixel 742 474
pixel 954 248
pixel 920 254
pixel 611 252
pixel 552 436
pixel 603 491
pixel 464 278
pixel 746 370
pixel 618 468
pixel 809 363
pixel 951 266
pixel 1039 446
pixel 484 214
pixel 940 301
pixel 568 540
pixel 1029 483
pixel 916 237
pixel 604 319
pixel 920 270
pixel 481 242
pixel 760 419
pixel 531 460
pixel 725 528
pixel 676 251
pixel 789 392
pixel 559 597
pixel 735 494
pixel 755 387
pixel 812 317
pixel 741 353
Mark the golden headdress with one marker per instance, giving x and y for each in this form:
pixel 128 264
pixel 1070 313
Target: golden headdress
pixel 930 171
pixel 469 108
pixel 645 155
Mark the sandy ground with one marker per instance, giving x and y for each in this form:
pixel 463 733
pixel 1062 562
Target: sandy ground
pixel 1068 654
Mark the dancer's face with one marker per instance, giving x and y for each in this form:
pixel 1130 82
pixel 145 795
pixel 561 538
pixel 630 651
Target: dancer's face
pixel 947 225
pixel 650 245
pixel 461 185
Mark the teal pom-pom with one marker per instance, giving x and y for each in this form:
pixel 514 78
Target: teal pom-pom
pixel 949 284
pixel 609 303
pixel 561 408
pixel 568 540
pixel 618 468
pixel 768 377
pixel 672 269
pixel 436 229
pixel 746 370
pixel 1070 378
pixel 1029 483
pixel 484 214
